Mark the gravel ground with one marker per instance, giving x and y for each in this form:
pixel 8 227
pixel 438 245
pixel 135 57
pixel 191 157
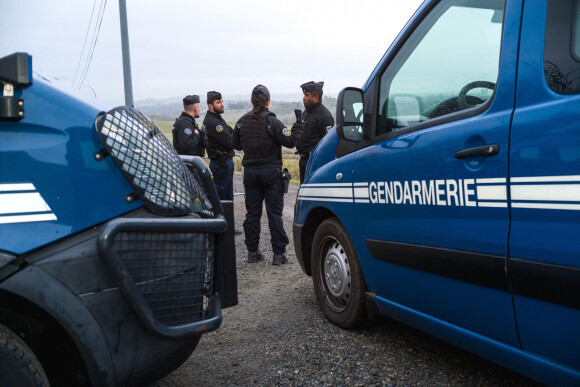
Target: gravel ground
pixel 278 336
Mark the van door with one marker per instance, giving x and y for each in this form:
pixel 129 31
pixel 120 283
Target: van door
pixel 431 196
pixel 544 241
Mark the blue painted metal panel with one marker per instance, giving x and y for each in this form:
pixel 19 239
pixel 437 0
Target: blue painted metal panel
pixel 458 222
pixel 49 174
pixel 544 181
pixel 522 361
pixel 323 168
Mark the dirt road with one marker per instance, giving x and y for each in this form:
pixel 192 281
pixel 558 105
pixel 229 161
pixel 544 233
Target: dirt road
pixel 277 335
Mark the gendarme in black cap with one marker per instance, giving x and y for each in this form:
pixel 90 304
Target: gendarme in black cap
pixel 311 86
pixel 190 100
pixel 260 90
pixel 213 96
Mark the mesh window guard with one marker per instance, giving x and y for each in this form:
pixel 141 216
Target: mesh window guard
pixel 150 163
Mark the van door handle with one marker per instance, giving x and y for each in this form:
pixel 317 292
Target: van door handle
pixel 486 150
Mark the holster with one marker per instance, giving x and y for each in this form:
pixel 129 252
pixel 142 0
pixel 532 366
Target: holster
pixel 286 176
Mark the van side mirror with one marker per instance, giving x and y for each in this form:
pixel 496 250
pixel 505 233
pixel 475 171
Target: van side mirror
pixel 350 114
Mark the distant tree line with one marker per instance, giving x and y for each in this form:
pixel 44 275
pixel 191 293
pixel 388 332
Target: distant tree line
pixel 238 105
pixel 283 110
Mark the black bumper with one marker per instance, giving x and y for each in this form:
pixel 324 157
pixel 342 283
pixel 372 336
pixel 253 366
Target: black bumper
pixel 298 248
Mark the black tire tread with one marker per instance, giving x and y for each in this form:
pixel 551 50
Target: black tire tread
pixel 23 362
pixel 355 316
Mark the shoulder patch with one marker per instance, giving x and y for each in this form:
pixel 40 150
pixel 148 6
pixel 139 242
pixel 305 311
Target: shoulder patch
pixel 287 132
pixel 219 128
pixel 187 131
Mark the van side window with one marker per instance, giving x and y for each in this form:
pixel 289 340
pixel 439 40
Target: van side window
pixel 448 64
pixel 562 46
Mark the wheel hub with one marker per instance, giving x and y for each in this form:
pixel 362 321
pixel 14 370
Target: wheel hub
pixel 337 272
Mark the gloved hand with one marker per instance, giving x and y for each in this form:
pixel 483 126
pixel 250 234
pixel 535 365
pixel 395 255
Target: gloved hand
pixel 298 123
pixel 203 135
pixel 298 114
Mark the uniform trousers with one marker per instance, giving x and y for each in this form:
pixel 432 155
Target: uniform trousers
pixel 223 178
pixel 264 185
pixel 302 163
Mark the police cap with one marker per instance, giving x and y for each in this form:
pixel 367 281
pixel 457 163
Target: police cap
pixel 213 96
pixel 260 90
pixel 190 100
pixel 311 86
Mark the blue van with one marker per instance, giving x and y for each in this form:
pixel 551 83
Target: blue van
pixel 448 194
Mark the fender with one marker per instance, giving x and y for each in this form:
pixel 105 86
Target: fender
pixel 72 314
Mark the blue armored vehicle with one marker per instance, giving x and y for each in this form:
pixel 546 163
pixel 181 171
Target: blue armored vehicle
pixel 115 254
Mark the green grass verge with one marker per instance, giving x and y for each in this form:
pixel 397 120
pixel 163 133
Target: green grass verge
pixel 289 159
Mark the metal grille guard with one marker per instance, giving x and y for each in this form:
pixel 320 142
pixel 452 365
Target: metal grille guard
pixel 125 281
pixel 128 286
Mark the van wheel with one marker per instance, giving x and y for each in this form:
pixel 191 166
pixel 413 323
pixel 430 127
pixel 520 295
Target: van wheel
pixel 338 279
pixel 18 364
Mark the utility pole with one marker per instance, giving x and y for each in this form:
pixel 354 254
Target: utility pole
pixel 126 55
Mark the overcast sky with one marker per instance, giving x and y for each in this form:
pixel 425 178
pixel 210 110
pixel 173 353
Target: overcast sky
pixel 181 47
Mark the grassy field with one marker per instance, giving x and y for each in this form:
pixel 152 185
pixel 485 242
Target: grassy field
pixel 289 159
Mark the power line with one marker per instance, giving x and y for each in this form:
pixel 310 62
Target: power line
pixel 85 42
pixel 94 43
pixel 94 40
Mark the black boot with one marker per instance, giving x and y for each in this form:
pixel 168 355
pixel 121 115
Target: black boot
pixel 279 259
pixel 255 256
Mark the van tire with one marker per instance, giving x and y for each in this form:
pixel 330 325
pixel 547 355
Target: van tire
pixel 338 279
pixel 18 364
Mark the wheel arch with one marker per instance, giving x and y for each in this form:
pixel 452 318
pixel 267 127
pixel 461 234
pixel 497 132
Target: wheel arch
pixel 44 313
pixel 313 221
